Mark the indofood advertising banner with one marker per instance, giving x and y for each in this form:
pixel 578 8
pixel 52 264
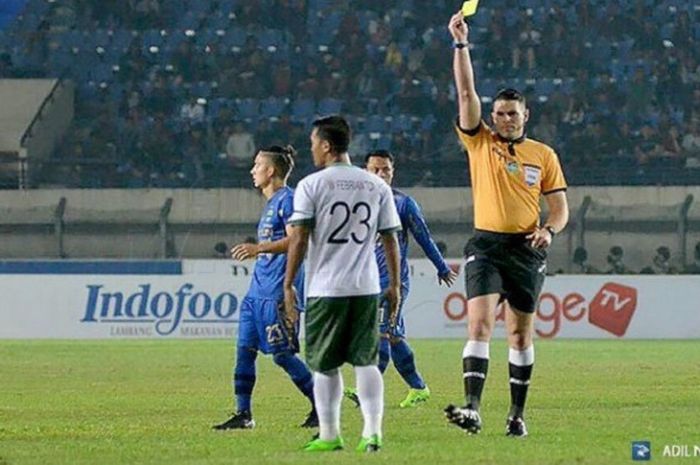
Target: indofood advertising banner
pixel 201 299
pixel 189 299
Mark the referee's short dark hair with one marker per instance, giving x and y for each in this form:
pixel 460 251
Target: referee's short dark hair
pixel 336 131
pixel 510 94
pixel 381 153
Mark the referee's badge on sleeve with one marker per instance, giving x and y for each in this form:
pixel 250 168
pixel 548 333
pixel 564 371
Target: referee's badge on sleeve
pixel 532 175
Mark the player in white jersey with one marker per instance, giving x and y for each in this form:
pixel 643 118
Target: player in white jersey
pixel 339 213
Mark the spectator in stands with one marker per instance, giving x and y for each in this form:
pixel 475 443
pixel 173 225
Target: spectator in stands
pixel 527 46
pixel 611 60
pixel 194 152
pixel 670 143
pixel 694 268
pixel 641 93
pixel 691 144
pixel 192 111
pixel 240 147
pixel 580 260
pixel 145 14
pixel 161 99
pixel 648 145
pixel 132 64
pixel 575 113
pixel 661 263
pixel 545 130
pixel 614 259
pixel 394 58
pixel 160 151
pixel 131 99
pixel 183 60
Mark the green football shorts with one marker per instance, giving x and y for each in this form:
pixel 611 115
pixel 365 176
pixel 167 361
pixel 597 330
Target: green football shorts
pixel 342 330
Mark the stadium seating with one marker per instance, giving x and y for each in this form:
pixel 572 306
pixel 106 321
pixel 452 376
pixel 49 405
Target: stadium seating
pixel 384 64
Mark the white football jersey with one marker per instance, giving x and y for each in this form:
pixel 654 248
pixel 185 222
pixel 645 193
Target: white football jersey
pixel 346 207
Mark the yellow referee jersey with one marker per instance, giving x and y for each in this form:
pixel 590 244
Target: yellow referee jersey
pixel 508 179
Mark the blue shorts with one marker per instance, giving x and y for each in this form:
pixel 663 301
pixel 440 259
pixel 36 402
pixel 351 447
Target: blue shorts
pixel 261 327
pixel 384 328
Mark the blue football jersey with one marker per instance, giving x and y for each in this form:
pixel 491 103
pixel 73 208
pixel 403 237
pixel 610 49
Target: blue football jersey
pixel 268 275
pixel 411 220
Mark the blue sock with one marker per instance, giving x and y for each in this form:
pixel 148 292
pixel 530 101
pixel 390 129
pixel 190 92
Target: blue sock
pixel 244 377
pixel 298 371
pixel 384 354
pixel 405 364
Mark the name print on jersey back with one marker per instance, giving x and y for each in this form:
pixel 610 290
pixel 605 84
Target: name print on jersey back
pixel 348 207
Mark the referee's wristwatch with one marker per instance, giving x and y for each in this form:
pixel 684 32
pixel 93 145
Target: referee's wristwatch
pixel 550 230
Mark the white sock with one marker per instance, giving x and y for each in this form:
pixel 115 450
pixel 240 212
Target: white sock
pixel 328 393
pixel 370 390
pixel 478 349
pixel 522 358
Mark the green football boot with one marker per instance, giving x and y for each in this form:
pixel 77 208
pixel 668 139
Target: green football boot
pixel 370 444
pixel 351 394
pixel 320 445
pixel 415 397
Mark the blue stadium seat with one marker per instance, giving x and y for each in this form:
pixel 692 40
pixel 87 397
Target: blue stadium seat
pixel 383 142
pixel 376 124
pixel 101 73
pixel 544 86
pixel 272 107
pixel 428 122
pixel 219 21
pixel 202 89
pixel 303 109
pixel 248 109
pixel 330 106
pixel 401 123
pixel 217 105
pixel 270 37
pixel 152 40
pixel 227 6
pixel 190 20
pixel 235 37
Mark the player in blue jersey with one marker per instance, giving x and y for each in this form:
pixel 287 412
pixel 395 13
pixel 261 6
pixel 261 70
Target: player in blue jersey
pixel 261 325
pixel 393 343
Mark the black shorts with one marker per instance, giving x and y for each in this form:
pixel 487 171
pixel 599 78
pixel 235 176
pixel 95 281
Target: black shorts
pixel 506 264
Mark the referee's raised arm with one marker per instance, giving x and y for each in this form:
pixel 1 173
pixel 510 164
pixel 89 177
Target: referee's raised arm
pixel 469 103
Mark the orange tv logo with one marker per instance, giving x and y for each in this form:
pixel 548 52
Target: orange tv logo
pixel 613 307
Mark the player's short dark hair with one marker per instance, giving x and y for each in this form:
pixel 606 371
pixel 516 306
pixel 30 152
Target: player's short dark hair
pixel 282 158
pixel 381 153
pixel 336 131
pixel 510 94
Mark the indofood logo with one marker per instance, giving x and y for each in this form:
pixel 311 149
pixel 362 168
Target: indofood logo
pixel 161 311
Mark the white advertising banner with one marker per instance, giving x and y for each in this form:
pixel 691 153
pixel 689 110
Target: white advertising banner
pixel 202 300
pixel 570 306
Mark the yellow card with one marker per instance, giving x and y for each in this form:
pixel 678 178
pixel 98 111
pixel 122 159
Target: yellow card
pixel 469 7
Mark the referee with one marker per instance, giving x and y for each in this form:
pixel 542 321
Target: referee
pixel 506 257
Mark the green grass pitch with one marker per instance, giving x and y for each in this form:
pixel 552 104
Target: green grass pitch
pixel 153 402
